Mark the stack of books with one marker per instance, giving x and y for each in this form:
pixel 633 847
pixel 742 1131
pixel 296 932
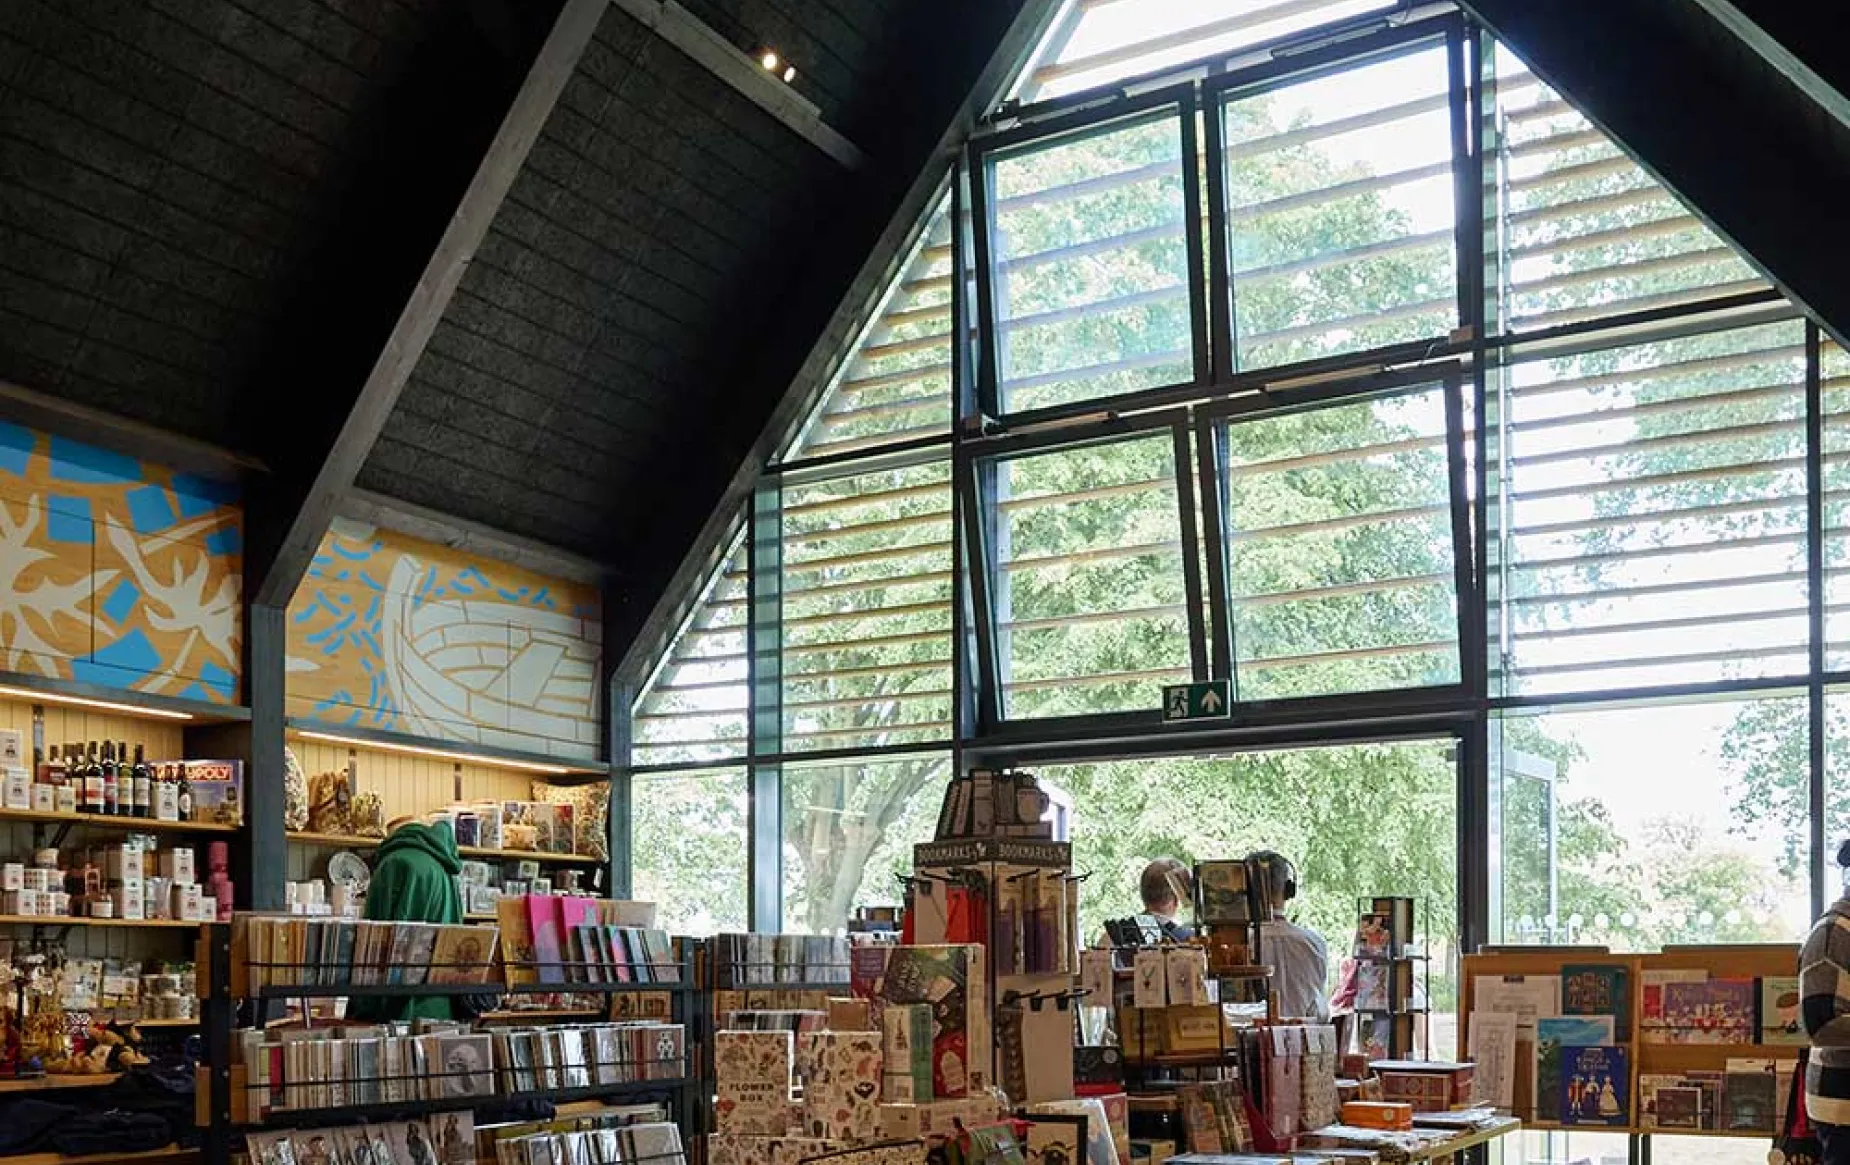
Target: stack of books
pixel 285 951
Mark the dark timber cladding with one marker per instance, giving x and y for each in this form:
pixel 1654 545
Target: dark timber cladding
pixel 652 221
pixel 165 171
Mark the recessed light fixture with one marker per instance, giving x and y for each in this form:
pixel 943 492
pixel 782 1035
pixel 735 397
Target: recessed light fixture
pixel 101 705
pixel 790 74
pixel 769 61
pixel 438 753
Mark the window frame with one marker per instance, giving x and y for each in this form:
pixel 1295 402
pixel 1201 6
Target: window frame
pixel 1344 55
pixel 982 154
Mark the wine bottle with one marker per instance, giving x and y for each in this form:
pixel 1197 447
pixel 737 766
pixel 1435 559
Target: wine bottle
pixel 111 789
pixel 144 784
pixel 92 782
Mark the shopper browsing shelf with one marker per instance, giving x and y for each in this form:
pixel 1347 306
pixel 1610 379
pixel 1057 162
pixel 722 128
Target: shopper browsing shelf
pixel 1824 989
pixel 414 881
pixel 1165 884
pixel 1298 956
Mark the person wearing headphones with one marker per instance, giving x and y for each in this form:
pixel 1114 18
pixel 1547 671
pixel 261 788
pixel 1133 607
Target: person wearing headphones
pixel 1298 956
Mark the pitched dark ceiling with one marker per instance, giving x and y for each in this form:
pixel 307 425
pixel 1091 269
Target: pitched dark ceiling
pixel 213 213
pixel 175 175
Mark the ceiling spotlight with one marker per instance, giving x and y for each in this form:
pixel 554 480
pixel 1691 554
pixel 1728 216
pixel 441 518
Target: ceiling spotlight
pixel 769 61
pixel 790 74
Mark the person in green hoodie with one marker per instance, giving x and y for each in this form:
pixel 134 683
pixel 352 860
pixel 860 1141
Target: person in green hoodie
pixel 414 880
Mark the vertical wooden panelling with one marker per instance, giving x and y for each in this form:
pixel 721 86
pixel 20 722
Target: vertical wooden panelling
pixel 412 784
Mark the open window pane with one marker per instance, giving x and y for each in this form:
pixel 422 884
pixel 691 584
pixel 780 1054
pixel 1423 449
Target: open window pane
pixel 1091 610
pixel 1338 531
pixel 849 827
pixel 1340 212
pixel 688 847
pixel 1584 232
pixel 1637 828
pixel 867 609
pixel 1653 513
pixel 694 709
pixel 1090 265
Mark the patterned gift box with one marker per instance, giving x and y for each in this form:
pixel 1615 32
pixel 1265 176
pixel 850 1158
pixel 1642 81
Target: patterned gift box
pixel 752 1082
pixel 841 1097
pixel 940 1117
pixel 906 1048
pixel 732 1149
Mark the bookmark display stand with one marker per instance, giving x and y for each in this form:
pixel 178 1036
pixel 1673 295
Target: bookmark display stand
pixel 224 1113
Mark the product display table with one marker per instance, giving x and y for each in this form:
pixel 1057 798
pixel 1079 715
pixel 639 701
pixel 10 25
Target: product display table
pixel 1471 1141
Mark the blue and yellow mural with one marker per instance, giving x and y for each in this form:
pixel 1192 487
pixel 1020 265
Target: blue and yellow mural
pixel 116 571
pixel 394 633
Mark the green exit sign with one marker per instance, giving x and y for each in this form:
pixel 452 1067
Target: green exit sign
pixel 1209 700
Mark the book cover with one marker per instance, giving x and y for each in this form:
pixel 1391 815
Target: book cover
pixel 950 978
pixel 1221 893
pixel 1717 1011
pixel 1371 986
pixel 418 953
pixel 454 1135
pixel 906 1037
pixel 1373 936
pixel 1556 1039
pixel 1651 1000
pixel 516 929
pixel 466 1066
pixel 574 1065
pixel 546 923
pixel 461 954
pixel 1399 913
pixel 662 965
pixel 1598 990
pixel 573 914
pixel 1749 1089
pixel 1594 1087
pixel 1779 1010
pixel 1669 1102
pixel 654 1143
pixel 617 955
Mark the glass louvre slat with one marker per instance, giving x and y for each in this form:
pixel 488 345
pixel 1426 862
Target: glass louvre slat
pixel 1089 603
pixel 1337 527
pixel 1652 498
pixel 695 707
pixel 1584 231
pixel 867 610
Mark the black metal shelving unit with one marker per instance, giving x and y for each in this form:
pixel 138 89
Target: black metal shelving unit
pixel 218 1025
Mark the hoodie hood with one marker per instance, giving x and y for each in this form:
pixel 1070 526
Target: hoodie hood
pixel 438 841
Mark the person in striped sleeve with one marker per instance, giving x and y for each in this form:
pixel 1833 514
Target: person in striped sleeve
pixel 1824 986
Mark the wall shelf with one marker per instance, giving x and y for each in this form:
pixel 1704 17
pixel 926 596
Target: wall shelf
pixel 27 688
pixel 119 824
pixel 73 920
pixel 340 841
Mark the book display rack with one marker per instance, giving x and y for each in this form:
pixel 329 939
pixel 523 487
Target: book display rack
pixel 1392 959
pixel 253 1083
pixel 1694 1041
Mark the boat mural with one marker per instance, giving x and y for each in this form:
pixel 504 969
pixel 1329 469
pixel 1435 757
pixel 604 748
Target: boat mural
pixel 390 632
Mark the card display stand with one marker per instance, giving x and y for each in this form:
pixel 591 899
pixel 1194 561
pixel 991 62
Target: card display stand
pixel 221 1002
pixel 1643 1057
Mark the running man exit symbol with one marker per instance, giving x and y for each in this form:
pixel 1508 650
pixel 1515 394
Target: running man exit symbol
pixel 1209 700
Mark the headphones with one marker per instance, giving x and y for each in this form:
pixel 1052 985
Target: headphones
pixel 1282 873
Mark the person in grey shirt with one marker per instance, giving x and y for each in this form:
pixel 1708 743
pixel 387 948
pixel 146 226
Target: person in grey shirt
pixel 1298 956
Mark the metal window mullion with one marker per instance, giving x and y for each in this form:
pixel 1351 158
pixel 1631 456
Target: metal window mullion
pixel 966 360
pixel 980 574
pixel 1208 472
pixel 986 349
pixel 1191 236
pixel 1462 537
pixel 1467 229
pixel 1186 511
pixel 1220 279
pixel 1818 744
pixel 764 778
